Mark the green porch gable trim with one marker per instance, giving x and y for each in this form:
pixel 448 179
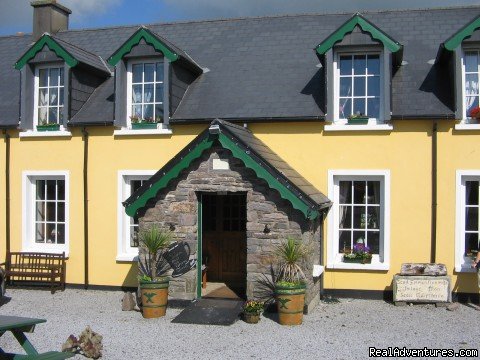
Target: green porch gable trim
pixel 358 20
pixel 456 39
pixel 150 38
pixel 310 209
pixel 46 40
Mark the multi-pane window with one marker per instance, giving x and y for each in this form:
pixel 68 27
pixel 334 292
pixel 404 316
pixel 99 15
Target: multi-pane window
pixel 359 210
pixel 147 91
pixel 49 220
pixel 359 85
pixel 50 92
pixel 472 70
pixel 471 230
pixel 134 186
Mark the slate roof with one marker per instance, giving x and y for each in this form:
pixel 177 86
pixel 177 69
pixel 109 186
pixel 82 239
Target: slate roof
pixel 266 68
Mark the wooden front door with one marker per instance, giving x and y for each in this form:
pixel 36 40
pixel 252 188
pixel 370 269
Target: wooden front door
pixel 224 238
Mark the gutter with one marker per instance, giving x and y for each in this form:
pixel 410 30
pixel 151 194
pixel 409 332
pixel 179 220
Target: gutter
pixel 91 123
pixel 248 119
pixel 433 241
pixel 424 117
pixel 85 205
pixel 7 191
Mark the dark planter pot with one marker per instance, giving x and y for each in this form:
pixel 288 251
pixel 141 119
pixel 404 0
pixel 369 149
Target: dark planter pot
pixel 145 125
pixel 357 261
pixel 251 318
pixel 49 127
pixel 154 298
pixel 359 120
pixel 290 303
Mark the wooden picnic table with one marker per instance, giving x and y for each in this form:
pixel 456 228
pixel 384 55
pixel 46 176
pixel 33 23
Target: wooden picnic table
pixel 18 326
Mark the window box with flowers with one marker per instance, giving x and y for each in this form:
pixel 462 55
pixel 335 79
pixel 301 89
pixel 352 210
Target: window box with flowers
pixel 141 124
pixel 359 255
pixel 44 126
pixel 474 114
pixel 358 119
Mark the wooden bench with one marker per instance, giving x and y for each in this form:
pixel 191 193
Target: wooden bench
pixel 36 267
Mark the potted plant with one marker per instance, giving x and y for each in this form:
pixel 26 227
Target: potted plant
pixel 358 119
pixel 252 310
pixel 45 126
pixel 152 265
pixel 290 285
pixel 139 123
pixel 359 255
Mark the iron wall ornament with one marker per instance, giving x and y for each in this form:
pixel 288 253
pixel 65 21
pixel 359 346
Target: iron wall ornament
pixel 178 257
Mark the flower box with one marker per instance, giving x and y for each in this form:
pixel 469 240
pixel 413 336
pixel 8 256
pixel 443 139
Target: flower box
pixel 48 127
pixel 144 125
pixel 357 260
pixel 358 120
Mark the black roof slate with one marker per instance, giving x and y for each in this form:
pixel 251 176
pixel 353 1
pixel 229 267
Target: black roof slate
pixel 266 67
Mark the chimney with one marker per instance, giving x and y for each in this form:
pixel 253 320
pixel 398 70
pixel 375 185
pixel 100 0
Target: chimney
pixel 48 16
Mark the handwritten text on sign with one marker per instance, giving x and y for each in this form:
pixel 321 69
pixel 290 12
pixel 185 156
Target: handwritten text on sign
pixel 415 289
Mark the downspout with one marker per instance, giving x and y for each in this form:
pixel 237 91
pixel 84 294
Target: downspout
pixel 322 247
pixel 7 191
pixel 433 250
pixel 85 202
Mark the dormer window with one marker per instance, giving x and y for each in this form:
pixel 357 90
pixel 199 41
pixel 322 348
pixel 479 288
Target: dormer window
pixel 358 86
pixel 146 87
pixel 359 59
pixel 49 91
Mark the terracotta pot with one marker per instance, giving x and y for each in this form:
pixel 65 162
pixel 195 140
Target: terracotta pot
pixel 154 298
pixel 290 303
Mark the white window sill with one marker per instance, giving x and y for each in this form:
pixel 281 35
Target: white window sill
pixel 37 134
pixel 131 132
pixel 353 266
pixel 46 249
pixel 366 127
pixel 464 269
pixel 465 126
pixel 127 257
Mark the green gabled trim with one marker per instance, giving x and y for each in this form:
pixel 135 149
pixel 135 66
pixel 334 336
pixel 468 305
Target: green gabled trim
pixel 173 173
pixel 456 39
pixel 46 40
pixel 150 38
pixel 238 153
pixel 365 25
pixel 272 182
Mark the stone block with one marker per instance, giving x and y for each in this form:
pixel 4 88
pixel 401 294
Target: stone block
pixel 424 269
pixel 423 289
pixel 187 220
pixel 128 302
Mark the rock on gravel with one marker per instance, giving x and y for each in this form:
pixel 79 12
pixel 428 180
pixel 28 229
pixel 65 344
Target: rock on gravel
pixel 334 330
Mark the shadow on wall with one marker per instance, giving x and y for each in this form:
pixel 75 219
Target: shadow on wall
pixel 466 288
pixel 131 280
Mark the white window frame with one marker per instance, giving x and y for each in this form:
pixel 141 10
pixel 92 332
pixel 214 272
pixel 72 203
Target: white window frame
pixel 336 68
pixel 28 211
pixel 334 257
pixel 36 91
pixel 464 117
pixel 461 264
pixel 124 251
pixel 165 89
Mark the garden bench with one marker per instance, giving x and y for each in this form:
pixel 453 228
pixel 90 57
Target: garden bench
pixel 36 267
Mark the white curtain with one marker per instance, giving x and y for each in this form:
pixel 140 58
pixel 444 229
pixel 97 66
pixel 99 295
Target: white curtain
pixel 471 88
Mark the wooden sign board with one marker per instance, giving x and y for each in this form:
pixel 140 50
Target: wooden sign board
pixel 423 289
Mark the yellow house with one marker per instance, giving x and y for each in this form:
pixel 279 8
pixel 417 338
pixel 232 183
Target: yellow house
pixel 369 139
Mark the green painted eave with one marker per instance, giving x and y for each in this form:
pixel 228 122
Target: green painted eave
pixel 456 39
pixel 46 40
pixel 264 174
pixel 149 38
pixel 366 26
pixel 237 152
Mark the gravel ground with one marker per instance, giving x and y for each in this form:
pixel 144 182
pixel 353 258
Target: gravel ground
pixel 334 330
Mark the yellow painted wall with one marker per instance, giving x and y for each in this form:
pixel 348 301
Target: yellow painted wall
pixel 2 198
pixel 406 152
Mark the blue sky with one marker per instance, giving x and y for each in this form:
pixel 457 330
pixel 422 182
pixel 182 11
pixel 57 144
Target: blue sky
pixel 16 15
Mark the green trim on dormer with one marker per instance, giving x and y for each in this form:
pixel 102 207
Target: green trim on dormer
pixel 456 39
pixel 366 26
pixel 150 38
pixel 48 41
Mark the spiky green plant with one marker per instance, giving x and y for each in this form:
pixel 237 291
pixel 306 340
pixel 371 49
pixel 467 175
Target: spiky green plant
pixel 155 240
pixel 291 254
